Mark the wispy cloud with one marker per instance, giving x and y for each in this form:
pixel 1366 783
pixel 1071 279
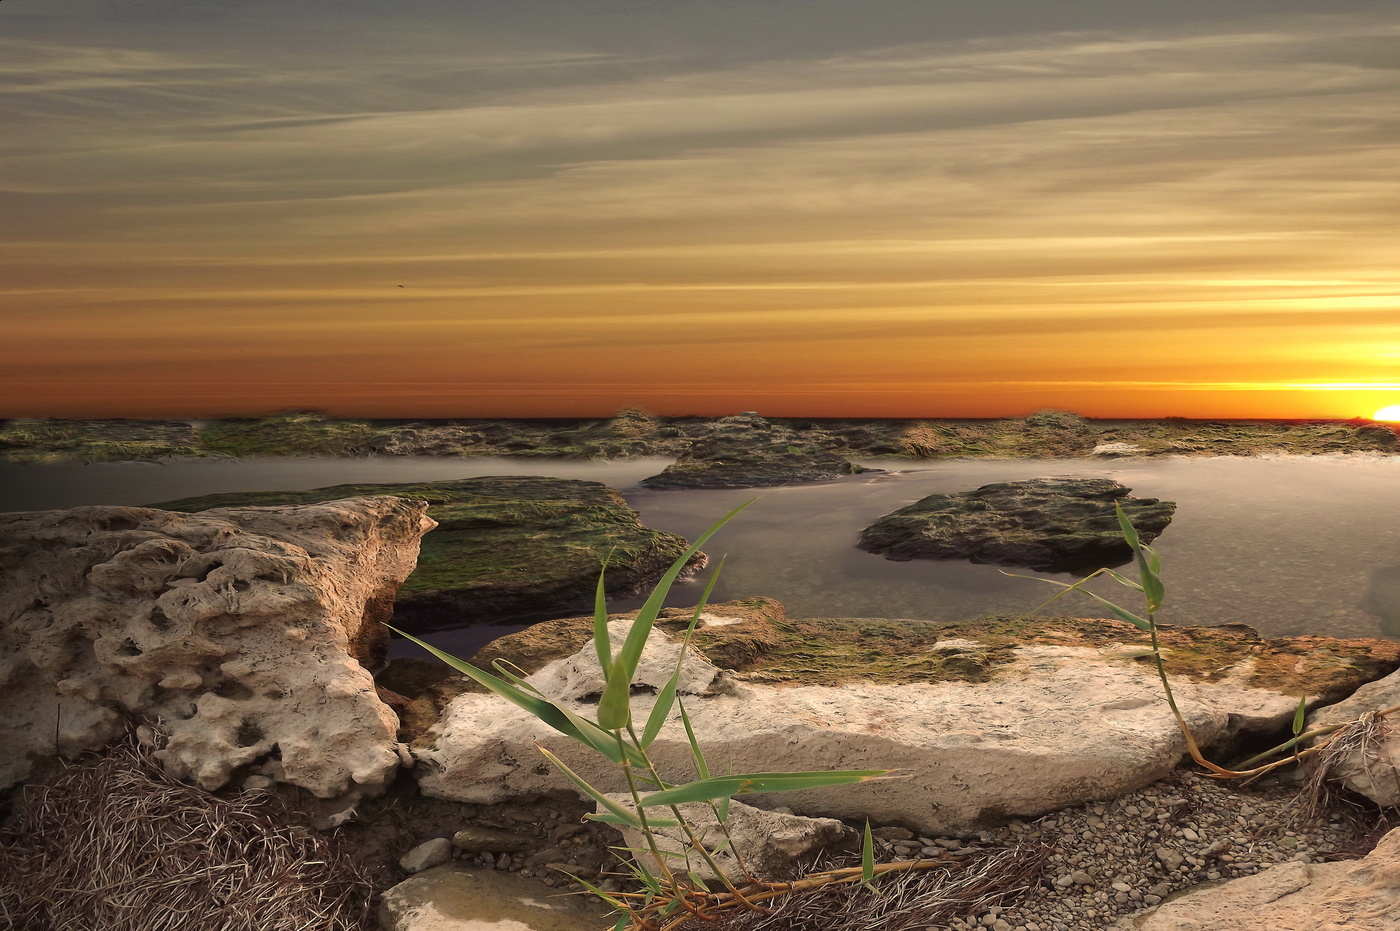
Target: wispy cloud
pixel 1019 203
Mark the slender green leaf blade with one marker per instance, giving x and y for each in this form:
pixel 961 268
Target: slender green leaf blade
pixel 1300 715
pixel 867 857
pixel 608 817
pixel 627 817
pixel 1129 531
pixel 666 700
pixel 696 753
pixel 542 708
pixel 601 640
pixel 614 708
pixel 718 787
pixel 1122 613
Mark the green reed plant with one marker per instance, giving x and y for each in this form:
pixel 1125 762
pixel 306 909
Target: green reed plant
pixel 669 896
pixel 1149 584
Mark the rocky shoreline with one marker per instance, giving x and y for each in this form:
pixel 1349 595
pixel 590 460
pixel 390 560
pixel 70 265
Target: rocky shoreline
pixel 249 635
pixel 1047 434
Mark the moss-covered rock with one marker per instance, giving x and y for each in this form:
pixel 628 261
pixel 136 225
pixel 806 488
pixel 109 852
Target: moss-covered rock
pixel 294 433
pixel 1049 525
pixel 505 545
pixel 746 451
pixel 46 441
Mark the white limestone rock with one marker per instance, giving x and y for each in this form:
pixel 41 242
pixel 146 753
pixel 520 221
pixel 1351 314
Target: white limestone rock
pixel 1373 770
pixel 1358 895
pixel 1057 726
pixel 241 629
pixel 772 844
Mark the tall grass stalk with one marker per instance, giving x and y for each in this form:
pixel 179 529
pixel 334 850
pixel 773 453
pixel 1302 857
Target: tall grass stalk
pixel 668 896
pixel 1149 584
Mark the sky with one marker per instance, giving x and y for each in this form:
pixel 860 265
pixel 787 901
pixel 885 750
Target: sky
pixel 562 208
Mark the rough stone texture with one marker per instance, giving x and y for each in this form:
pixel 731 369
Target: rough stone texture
pixel 505 545
pixel 748 451
pixel 427 855
pixel 1373 768
pixel 772 844
pixel 1047 524
pixel 246 631
pixel 985 731
pixel 1358 896
pixel 454 898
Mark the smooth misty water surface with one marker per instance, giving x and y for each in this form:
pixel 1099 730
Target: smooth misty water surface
pixel 1289 545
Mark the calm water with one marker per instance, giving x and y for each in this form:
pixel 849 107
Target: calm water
pixel 1289 545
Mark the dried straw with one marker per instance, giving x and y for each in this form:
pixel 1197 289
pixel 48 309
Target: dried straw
pixel 908 900
pixel 114 844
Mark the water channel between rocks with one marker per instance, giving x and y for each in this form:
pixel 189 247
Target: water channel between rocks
pixel 1288 545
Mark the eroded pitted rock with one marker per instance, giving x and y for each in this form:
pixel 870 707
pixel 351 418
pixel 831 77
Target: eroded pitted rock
pixel 245 631
pixel 505 544
pixel 1045 524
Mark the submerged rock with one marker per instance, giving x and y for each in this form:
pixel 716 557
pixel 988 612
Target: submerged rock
pixel 244 631
pixel 506 545
pixel 455 898
pixel 1007 717
pixel 748 451
pixel 1046 524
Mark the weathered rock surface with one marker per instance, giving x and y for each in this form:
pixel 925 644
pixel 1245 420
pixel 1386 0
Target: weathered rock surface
pixel 1048 524
pixel 1362 895
pixel 748 451
pixel 1369 766
pixel 454 898
pixel 246 631
pixel 505 545
pixel 772 844
pixel 1012 717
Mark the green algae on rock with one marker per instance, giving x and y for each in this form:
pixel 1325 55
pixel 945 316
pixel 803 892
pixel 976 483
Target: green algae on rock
pixel 51 441
pixel 505 545
pixel 746 451
pixel 1049 525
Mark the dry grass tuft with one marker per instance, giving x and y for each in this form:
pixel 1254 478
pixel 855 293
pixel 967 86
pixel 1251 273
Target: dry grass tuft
pixel 911 900
pixel 115 844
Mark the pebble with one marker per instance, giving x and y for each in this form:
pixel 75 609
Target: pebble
pixel 1111 859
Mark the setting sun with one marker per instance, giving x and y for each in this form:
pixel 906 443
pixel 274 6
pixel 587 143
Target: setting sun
pixel 1391 413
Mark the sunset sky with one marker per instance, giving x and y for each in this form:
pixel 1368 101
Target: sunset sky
pixel 880 208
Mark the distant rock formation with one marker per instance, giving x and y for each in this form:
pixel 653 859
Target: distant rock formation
pixel 1045 524
pixel 245 631
pixel 746 451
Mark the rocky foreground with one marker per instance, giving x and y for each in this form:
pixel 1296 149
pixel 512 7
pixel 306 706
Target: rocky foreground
pixel 1040 748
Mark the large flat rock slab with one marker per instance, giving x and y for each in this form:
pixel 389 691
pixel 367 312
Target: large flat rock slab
pixel 244 631
pixel 505 545
pixel 1046 524
pixel 1009 718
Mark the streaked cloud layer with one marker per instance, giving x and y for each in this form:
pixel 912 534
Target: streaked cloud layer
pixel 458 210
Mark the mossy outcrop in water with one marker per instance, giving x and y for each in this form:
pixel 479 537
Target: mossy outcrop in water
pixel 747 451
pixel 48 441
pixel 505 545
pixel 1047 524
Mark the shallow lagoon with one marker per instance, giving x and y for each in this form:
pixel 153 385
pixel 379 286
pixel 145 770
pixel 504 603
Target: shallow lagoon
pixel 1289 545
